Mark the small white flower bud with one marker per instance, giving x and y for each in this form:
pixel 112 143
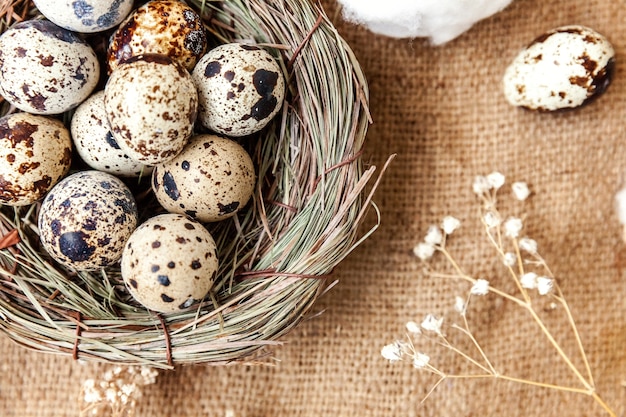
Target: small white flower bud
pixel 529 280
pixel 481 185
pixel 459 305
pixel 432 324
pixel 480 287
pixel 544 285
pixel 520 190
pixel 510 259
pixel 392 352
pixel 528 245
pixel 512 227
pixel 413 327
pixel 424 251
pixel 495 180
pixel 450 224
pixel 420 360
pixel 434 236
pixel 491 219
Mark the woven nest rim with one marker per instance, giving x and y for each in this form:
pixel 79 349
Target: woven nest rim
pixel 304 220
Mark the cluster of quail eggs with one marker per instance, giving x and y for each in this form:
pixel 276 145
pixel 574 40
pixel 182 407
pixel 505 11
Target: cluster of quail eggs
pixel 159 104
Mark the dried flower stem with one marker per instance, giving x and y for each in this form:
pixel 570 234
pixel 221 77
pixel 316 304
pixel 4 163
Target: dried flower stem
pixel 521 266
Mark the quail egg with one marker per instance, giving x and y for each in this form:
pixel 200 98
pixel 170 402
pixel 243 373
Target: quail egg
pixel 35 153
pixel 159 27
pixel 240 89
pixel 95 144
pixel 210 180
pixel 563 68
pixel 151 105
pixel 169 263
pixel 85 220
pixel 86 16
pixel 45 69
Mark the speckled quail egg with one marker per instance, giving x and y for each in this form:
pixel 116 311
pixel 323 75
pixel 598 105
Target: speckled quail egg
pixel 159 27
pixel 85 220
pixel 169 263
pixel 86 16
pixel 151 106
pixel 240 89
pixel 45 69
pixel 210 180
pixel 563 68
pixel 35 153
pixel 95 144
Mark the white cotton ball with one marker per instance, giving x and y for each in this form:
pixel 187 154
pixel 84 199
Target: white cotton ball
pixel 440 20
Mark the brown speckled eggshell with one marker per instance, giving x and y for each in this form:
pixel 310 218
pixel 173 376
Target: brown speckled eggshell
pixel 95 143
pixel 45 69
pixel 85 220
pixel 169 263
pixel 169 28
pixel 210 180
pixel 85 16
pixel 35 153
pixel 240 89
pixel 151 105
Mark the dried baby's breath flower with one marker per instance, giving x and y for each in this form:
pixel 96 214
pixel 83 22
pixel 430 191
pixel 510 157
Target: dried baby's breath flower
pixel 434 235
pixel 510 259
pixel 420 360
pixel 507 251
pixel 512 227
pixel 432 324
pixel 480 287
pixel 496 180
pixel 413 327
pixel 392 352
pixel 520 190
pixel 529 280
pixel 544 285
pixel 528 245
pixel 116 393
pixel 450 224
pixel 424 251
pixel 481 185
pixel 459 305
pixel 492 219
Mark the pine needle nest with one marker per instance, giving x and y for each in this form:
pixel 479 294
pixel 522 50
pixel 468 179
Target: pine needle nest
pixel 275 257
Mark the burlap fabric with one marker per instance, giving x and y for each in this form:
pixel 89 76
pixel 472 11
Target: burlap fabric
pixel 442 112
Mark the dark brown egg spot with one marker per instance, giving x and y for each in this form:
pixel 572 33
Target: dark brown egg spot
pixel 229 75
pixel 21 132
pixel 171 264
pixel 195 41
pixel 55 227
pixel 164 280
pixel 49 29
pixel 227 208
pixel 156 244
pixel 189 226
pixel 166 298
pixel 133 283
pixel 195 264
pixel 74 245
pixel 169 186
pixel 212 69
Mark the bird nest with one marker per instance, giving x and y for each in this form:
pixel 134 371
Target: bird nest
pixel 275 256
